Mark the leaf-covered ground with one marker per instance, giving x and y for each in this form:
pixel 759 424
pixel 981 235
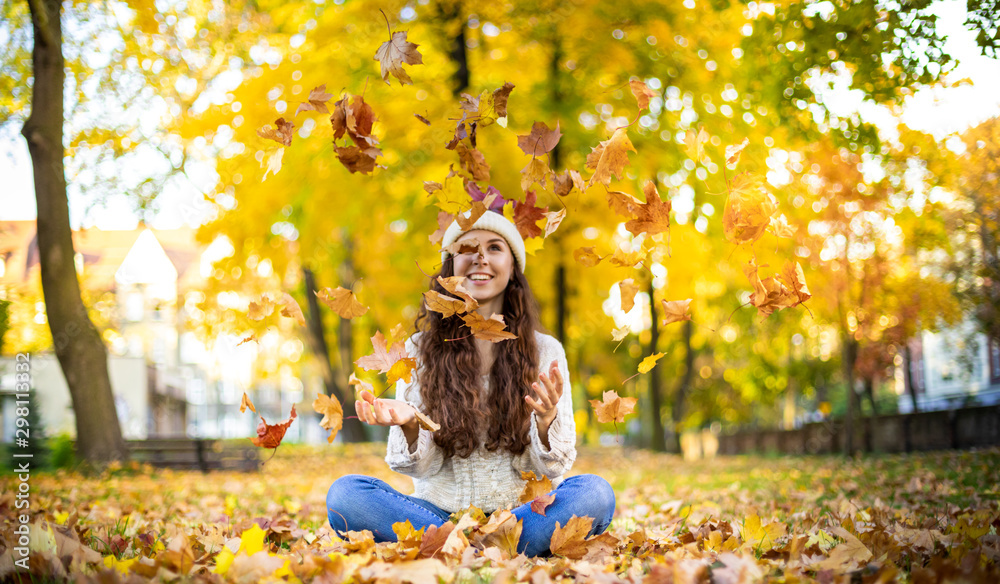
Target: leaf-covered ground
pixel 920 518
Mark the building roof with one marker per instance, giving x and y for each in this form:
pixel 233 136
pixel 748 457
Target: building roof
pixel 103 253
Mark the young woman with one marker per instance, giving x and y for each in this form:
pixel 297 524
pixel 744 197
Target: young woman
pixel 499 414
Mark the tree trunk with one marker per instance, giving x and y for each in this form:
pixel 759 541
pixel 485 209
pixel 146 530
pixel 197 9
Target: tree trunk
pixel 450 12
pixel 908 376
pixel 78 345
pixel 353 430
pixel 684 386
pixel 850 353
pixel 657 441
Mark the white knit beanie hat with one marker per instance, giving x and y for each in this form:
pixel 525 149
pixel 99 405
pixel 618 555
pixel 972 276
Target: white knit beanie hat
pixel 490 221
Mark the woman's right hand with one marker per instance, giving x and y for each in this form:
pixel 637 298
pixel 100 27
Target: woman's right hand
pixel 384 412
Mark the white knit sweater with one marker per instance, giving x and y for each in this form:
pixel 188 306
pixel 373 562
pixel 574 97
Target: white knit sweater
pixel 488 480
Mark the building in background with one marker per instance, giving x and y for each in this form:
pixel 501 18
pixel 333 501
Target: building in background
pixel 143 287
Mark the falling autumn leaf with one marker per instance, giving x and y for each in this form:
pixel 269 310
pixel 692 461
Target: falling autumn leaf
pixel 454 285
pixel 500 97
pixel 566 181
pixel 527 215
pixel 361 383
pixel 383 359
pixel 443 220
pixel 271 163
pixel 628 289
pixel 342 301
pixel 422 119
pixel 262 309
pixel 291 309
pixel 676 310
pixel 553 219
pixel 541 140
pixel 613 408
pixel 779 226
pixel 316 101
pixel 488 329
pixel 733 152
pixel 490 194
pixel 357 159
pixel 625 259
pixel 281 133
pixel 587 257
pixel 247 340
pixel 694 142
pixel 536 172
pixel 246 403
pixel 613 158
pixel 393 53
pixel 642 93
pixel 473 162
pixel 270 435
pixel 333 414
pixel 747 214
pixel 620 333
pixel 649 362
pixel 651 217
pixel 623 203
pixel 470 245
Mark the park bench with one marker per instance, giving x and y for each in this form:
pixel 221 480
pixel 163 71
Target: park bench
pixel 194 454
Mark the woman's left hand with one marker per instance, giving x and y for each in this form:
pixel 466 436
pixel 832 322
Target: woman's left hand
pixel 547 393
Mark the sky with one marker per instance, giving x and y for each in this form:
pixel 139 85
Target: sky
pixel 940 111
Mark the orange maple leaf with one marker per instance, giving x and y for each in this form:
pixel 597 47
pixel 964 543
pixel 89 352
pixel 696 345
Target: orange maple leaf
pixel 393 53
pixel 642 93
pixel 454 286
pixel 651 217
pixel 676 310
pixel 534 486
pixel 612 407
pixel 587 257
pixel 569 541
pixel 612 157
pixel 262 309
pixel 342 301
pixel 333 414
pixel 270 435
pixel 357 159
pixel 292 309
pixel 488 329
pixel 747 214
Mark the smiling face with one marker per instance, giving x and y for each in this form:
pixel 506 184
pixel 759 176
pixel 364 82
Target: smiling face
pixel 486 275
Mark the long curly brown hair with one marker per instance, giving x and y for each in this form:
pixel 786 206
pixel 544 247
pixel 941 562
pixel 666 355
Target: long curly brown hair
pixel 450 382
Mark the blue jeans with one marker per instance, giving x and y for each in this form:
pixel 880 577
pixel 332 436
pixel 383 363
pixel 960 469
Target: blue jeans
pixel 358 502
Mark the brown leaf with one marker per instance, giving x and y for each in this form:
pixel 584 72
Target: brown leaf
pixel 569 540
pixel 625 259
pixel 651 217
pixel 354 117
pixel 446 305
pixel 500 97
pixel 612 407
pixel 316 101
pixel 676 310
pixel 444 540
pixel 270 435
pixel 342 301
pixel 473 162
pixel 454 286
pixel 540 503
pixel 488 329
pixel 281 133
pixel 795 279
pixel 292 309
pixel 613 158
pixel 642 93
pixel 333 414
pixel 444 221
pixel 246 403
pixel 747 213
pixel 422 119
pixel 540 140
pixel 503 530
pixel 361 383
pixel 628 289
pixel 471 245
pixel 357 159
pixel 623 203
pixel 526 216
pixel 565 182
pixel 393 53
